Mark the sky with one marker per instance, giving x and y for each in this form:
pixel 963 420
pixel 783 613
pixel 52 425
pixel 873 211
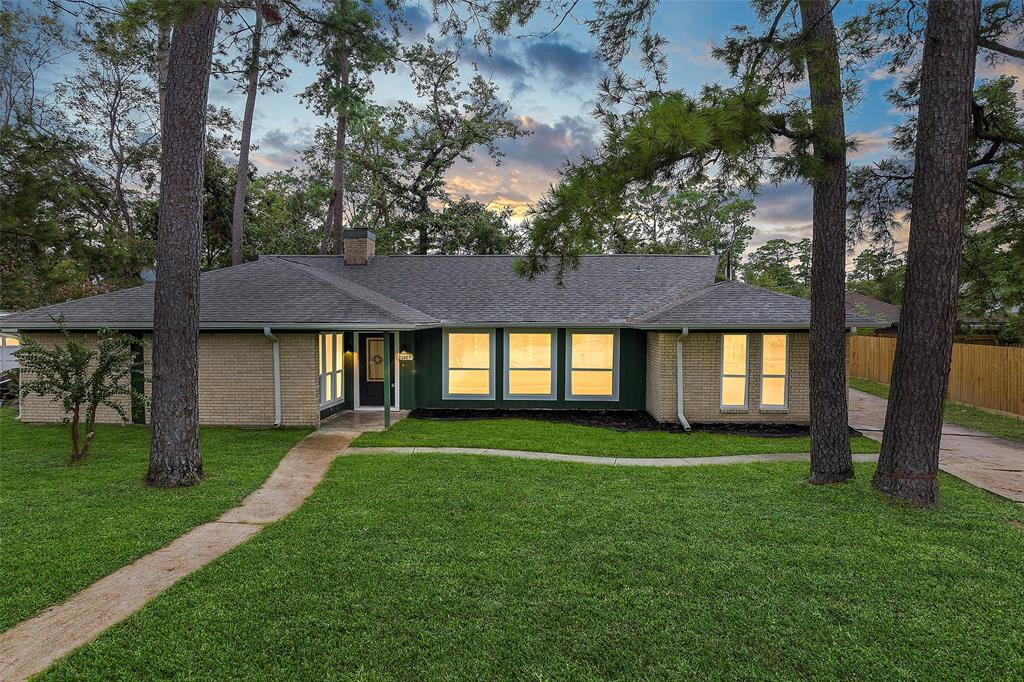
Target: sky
pixel 550 83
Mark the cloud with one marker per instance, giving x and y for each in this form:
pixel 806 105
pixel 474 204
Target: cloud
pixel 279 148
pixel 418 20
pixel 569 65
pixel 871 145
pixel 524 63
pixel 550 145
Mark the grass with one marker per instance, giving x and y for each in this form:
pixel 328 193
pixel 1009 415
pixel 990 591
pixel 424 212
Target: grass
pixel 468 567
pixel 959 413
pixel 544 436
pixel 63 527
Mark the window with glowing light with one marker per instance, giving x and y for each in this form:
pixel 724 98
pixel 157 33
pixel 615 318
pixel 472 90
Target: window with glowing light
pixel 734 370
pixel 774 369
pixel 529 364
pixel 332 368
pixel 593 359
pixel 469 364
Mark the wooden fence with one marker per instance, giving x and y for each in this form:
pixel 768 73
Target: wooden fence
pixel 987 376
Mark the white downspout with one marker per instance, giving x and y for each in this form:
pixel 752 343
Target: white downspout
pixel 277 376
pixel 679 380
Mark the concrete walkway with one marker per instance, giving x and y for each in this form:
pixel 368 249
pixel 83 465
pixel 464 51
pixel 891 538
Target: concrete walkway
pixel 995 464
pixel 32 645
pixel 614 461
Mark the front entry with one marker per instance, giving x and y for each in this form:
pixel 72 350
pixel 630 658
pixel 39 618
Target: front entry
pixel 371 371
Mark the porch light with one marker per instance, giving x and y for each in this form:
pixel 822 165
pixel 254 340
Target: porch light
pixel 404 355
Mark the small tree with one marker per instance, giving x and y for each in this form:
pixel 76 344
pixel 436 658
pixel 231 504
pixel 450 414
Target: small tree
pixel 79 378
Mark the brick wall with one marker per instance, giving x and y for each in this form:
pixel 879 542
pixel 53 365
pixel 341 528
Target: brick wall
pixel 236 380
pixel 37 408
pixel 702 361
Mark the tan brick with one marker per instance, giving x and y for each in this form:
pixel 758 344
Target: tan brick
pixel 236 380
pixel 702 361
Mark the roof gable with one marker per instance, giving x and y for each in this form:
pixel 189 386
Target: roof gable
pixel 737 304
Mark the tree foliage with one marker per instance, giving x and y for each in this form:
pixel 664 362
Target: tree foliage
pixel 80 379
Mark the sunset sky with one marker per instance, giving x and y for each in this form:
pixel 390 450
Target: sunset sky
pixel 550 84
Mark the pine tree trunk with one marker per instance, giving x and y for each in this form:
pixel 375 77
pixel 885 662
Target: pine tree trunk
pixel 337 221
pixel 242 181
pixel 174 458
pixel 831 461
pixel 909 461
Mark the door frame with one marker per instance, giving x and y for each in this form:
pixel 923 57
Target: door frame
pixel 395 405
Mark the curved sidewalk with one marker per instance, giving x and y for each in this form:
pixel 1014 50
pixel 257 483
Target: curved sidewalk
pixel 614 461
pixel 32 645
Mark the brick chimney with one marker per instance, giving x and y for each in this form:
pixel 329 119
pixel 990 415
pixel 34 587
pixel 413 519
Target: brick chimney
pixel 359 246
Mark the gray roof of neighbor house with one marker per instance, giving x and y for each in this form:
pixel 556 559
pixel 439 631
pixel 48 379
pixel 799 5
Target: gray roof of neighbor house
pixel 404 292
pixel 736 305
pixel 865 306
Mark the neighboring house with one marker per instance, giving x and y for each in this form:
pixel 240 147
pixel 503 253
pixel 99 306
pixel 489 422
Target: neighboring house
pixel 8 345
pixel 291 339
pixel 865 306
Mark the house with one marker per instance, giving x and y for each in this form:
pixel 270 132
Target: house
pixel 291 339
pixel 865 306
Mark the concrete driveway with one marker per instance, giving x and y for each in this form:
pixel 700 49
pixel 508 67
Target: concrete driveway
pixel 988 462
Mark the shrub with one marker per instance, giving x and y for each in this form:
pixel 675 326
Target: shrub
pixel 80 379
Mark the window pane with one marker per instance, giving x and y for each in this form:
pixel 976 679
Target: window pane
pixel 591 383
pixel 529 350
pixel 11 342
pixel 773 391
pixel 593 351
pixel 329 358
pixel 529 382
pixel 774 361
pixel 734 354
pixel 320 352
pixel 469 350
pixel 469 381
pixel 734 391
pixel 339 350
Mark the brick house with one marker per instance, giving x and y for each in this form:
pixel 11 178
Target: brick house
pixel 288 340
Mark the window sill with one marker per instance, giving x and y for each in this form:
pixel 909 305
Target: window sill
pixel 776 409
pixel 739 409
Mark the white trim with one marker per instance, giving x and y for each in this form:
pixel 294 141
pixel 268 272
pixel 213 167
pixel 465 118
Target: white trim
pixel 553 368
pixel 445 395
pixel 785 378
pixel 722 375
pixel 615 365
pixel 396 404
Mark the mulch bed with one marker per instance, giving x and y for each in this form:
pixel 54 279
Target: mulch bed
pixel 618 420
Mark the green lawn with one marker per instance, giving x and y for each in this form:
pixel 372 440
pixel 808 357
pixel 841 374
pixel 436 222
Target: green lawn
pixel 958 413
pixel 544 436
pixel 468 567
pixel 64 527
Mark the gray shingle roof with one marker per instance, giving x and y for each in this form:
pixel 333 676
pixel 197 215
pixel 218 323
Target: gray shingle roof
pixel 736 304
pixel 268 291
pixel 863 305
pixel 483 289
pixel 321 292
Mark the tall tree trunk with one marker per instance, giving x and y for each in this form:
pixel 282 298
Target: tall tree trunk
pixel 831 461
pixel 242 182
pixel 337 221
pixel 909 462
pixel 174 458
